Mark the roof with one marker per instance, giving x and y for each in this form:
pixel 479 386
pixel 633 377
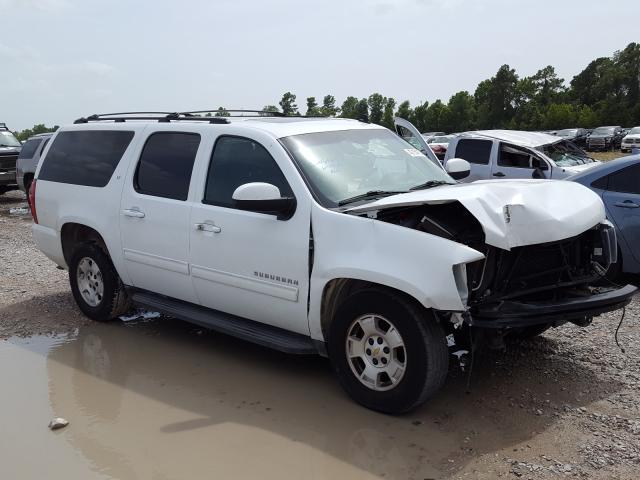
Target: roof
pixel 278 127
pixel 517 137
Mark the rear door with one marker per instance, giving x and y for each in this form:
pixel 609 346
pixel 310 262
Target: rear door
pixel 476 151
pixel 622 199
pixel 154 213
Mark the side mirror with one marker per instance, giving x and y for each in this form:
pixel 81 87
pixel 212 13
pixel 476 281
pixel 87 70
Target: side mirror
pixel 458 168
pixel 264 198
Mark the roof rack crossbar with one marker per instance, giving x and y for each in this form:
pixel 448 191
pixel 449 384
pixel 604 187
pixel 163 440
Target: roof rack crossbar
pixel 214 116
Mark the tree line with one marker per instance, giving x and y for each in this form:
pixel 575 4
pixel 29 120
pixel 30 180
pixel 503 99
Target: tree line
pixel 606 92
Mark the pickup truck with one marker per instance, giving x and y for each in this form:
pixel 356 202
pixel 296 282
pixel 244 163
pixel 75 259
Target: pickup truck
pixel 317 236
pixel 10 147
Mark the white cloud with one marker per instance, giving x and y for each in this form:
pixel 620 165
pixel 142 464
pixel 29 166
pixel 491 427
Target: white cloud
pixel 47 5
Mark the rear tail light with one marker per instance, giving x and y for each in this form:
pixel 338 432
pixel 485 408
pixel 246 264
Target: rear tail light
pixel 32 201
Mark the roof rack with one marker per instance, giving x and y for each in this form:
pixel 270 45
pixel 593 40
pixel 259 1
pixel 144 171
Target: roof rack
pixel 3 126
pixel 196 115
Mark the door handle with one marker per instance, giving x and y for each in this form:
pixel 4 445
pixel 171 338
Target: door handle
pixel 133 212
pixel 499 174
pixel 627 204
pixel 208 227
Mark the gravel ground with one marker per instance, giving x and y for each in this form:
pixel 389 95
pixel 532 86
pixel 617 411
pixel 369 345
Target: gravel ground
pixel 563 405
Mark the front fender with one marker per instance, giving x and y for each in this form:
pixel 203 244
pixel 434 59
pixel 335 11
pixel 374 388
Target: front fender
pixel 414 262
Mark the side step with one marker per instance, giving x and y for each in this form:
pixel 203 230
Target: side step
pixel 255 332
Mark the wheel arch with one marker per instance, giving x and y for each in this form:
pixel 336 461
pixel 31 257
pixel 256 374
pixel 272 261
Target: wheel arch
pixel 72 234
pixel 336 290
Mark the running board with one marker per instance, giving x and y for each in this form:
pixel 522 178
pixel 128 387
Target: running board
pixel 255 332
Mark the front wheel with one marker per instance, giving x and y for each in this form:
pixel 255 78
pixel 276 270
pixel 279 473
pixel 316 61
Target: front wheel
pixel 95 284
pixel 389 353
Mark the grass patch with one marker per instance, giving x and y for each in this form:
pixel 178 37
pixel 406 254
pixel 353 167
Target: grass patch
pixel 606 156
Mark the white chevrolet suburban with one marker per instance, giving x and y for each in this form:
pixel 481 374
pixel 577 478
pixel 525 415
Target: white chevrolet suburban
pixel 325 236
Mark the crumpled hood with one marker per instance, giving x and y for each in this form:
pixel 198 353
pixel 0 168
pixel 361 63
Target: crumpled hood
pixel 512 213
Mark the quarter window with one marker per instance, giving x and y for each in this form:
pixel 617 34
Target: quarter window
pixel 236 161
pixel 85 157
pixel 29 148
pixel 626 180
pixel 474 151
pixel 166 164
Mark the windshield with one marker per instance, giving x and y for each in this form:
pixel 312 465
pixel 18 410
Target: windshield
pixel 8 140
pixel 565 154
pixel 634 131
pixel 603 131
pixel 570 132
pixel 438 139
pixel 348 163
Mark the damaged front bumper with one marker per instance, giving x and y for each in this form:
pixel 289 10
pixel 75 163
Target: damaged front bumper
pixel 579 310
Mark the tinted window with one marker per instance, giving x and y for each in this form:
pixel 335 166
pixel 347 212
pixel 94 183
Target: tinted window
pixel 626 180
pixel 29 148
pixel 236 161
pixel 474 151
pixel 166 164
pixel 86 157
pixel 513 157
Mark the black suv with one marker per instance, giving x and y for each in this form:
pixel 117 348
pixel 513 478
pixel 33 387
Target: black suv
pixel 10 147
pixel 575 135
pixel 605 138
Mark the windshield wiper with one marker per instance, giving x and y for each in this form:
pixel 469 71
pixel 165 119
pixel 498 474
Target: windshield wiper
pixel 369 194
pixel 430 184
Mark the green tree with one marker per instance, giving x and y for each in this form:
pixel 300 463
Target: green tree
pixel 387 115
pixel 349 108
pixel 560 115
pixel 222 112
pixel 312 107
pixel 270 109
pixel 404 110
pixel 288 104
pixel 460 115
pixel 376 103
pixel 329 108
pixel 495 98
pixel 418 116
pixel 362 111
pixel 35 130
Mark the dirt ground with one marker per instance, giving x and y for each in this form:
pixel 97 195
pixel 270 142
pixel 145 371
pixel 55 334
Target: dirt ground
pixel 160 399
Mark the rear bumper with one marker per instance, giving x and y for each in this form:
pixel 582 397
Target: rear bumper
pixel 511 314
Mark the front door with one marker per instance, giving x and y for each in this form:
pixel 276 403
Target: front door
pixel 247 263
pixel 154 215
pixel 518 162
pixel 406 130
pixel 622 199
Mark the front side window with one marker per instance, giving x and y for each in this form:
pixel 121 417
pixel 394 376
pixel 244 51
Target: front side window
pixel 85 157
pixel 565 154
pixel 166 164
pixel 513 157
pixel 474 151
pixel 341 165
pixel 29 148
pixel 236 161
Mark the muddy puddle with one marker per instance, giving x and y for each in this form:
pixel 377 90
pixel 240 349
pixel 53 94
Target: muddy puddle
pixel 160 399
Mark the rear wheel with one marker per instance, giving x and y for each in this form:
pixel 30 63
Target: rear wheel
pixel 389 354
pixel 95 284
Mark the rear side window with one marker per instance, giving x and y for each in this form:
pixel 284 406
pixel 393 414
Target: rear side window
pixel 626 180
pixel 236 161
pixel 166 164
pixel 29 148
pixel 86 157
pixel 474 151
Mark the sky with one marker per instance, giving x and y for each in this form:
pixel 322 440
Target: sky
pixel 63 59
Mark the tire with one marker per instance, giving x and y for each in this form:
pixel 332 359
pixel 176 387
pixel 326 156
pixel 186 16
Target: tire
pixel 27 188
pixel 424 352
pixel 109 299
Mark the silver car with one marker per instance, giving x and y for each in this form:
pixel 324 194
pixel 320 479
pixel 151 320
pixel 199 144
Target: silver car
pixel 28 160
